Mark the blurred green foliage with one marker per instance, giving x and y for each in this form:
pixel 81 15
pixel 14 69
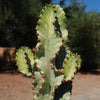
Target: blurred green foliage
pixel 18 20
pixel 84 31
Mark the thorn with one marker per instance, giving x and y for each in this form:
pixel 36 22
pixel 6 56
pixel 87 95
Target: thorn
pixel 23 49
pixel 39 69
pixel 41 12
pixel 59 70
pixel 56 87
pixel 53 93
pixel 28 67
pixel 54 22
pixel 42 83
pixel 32 76
pixel 57 53
pixel 60 34
pixel 64 61
pixel 67 57
pixel 38 40
pixel 62 40
pixel 43 76
pixel 53 6
pixel 33 92
pixel 76 66
pixel 24 53
pixel 63 81
pixel 62 66
pixel 36 94
pixel 52 67
pixel 37 34
pixel 39 89
pixel 51 60
pixel 68 35
pixel 72 77
pixel 39 17
pixel 37 22
pixel 35 29
pixel 35 51
pixel 61 46
pixel 69 80
pixel 55 11
pixel 35 63
pixel 39 47
pixel 27 62
pixel 56 16
pixel 55 28
pixel 76 61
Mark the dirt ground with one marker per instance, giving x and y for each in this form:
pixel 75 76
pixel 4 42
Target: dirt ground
pixel 18 87
pixel 86 87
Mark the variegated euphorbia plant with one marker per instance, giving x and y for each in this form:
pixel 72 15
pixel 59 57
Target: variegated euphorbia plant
pixel 53 66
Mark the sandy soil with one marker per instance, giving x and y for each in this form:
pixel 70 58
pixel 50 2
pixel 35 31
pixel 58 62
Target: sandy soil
pixel 19 87
pixel 86 87
pixel 15 87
